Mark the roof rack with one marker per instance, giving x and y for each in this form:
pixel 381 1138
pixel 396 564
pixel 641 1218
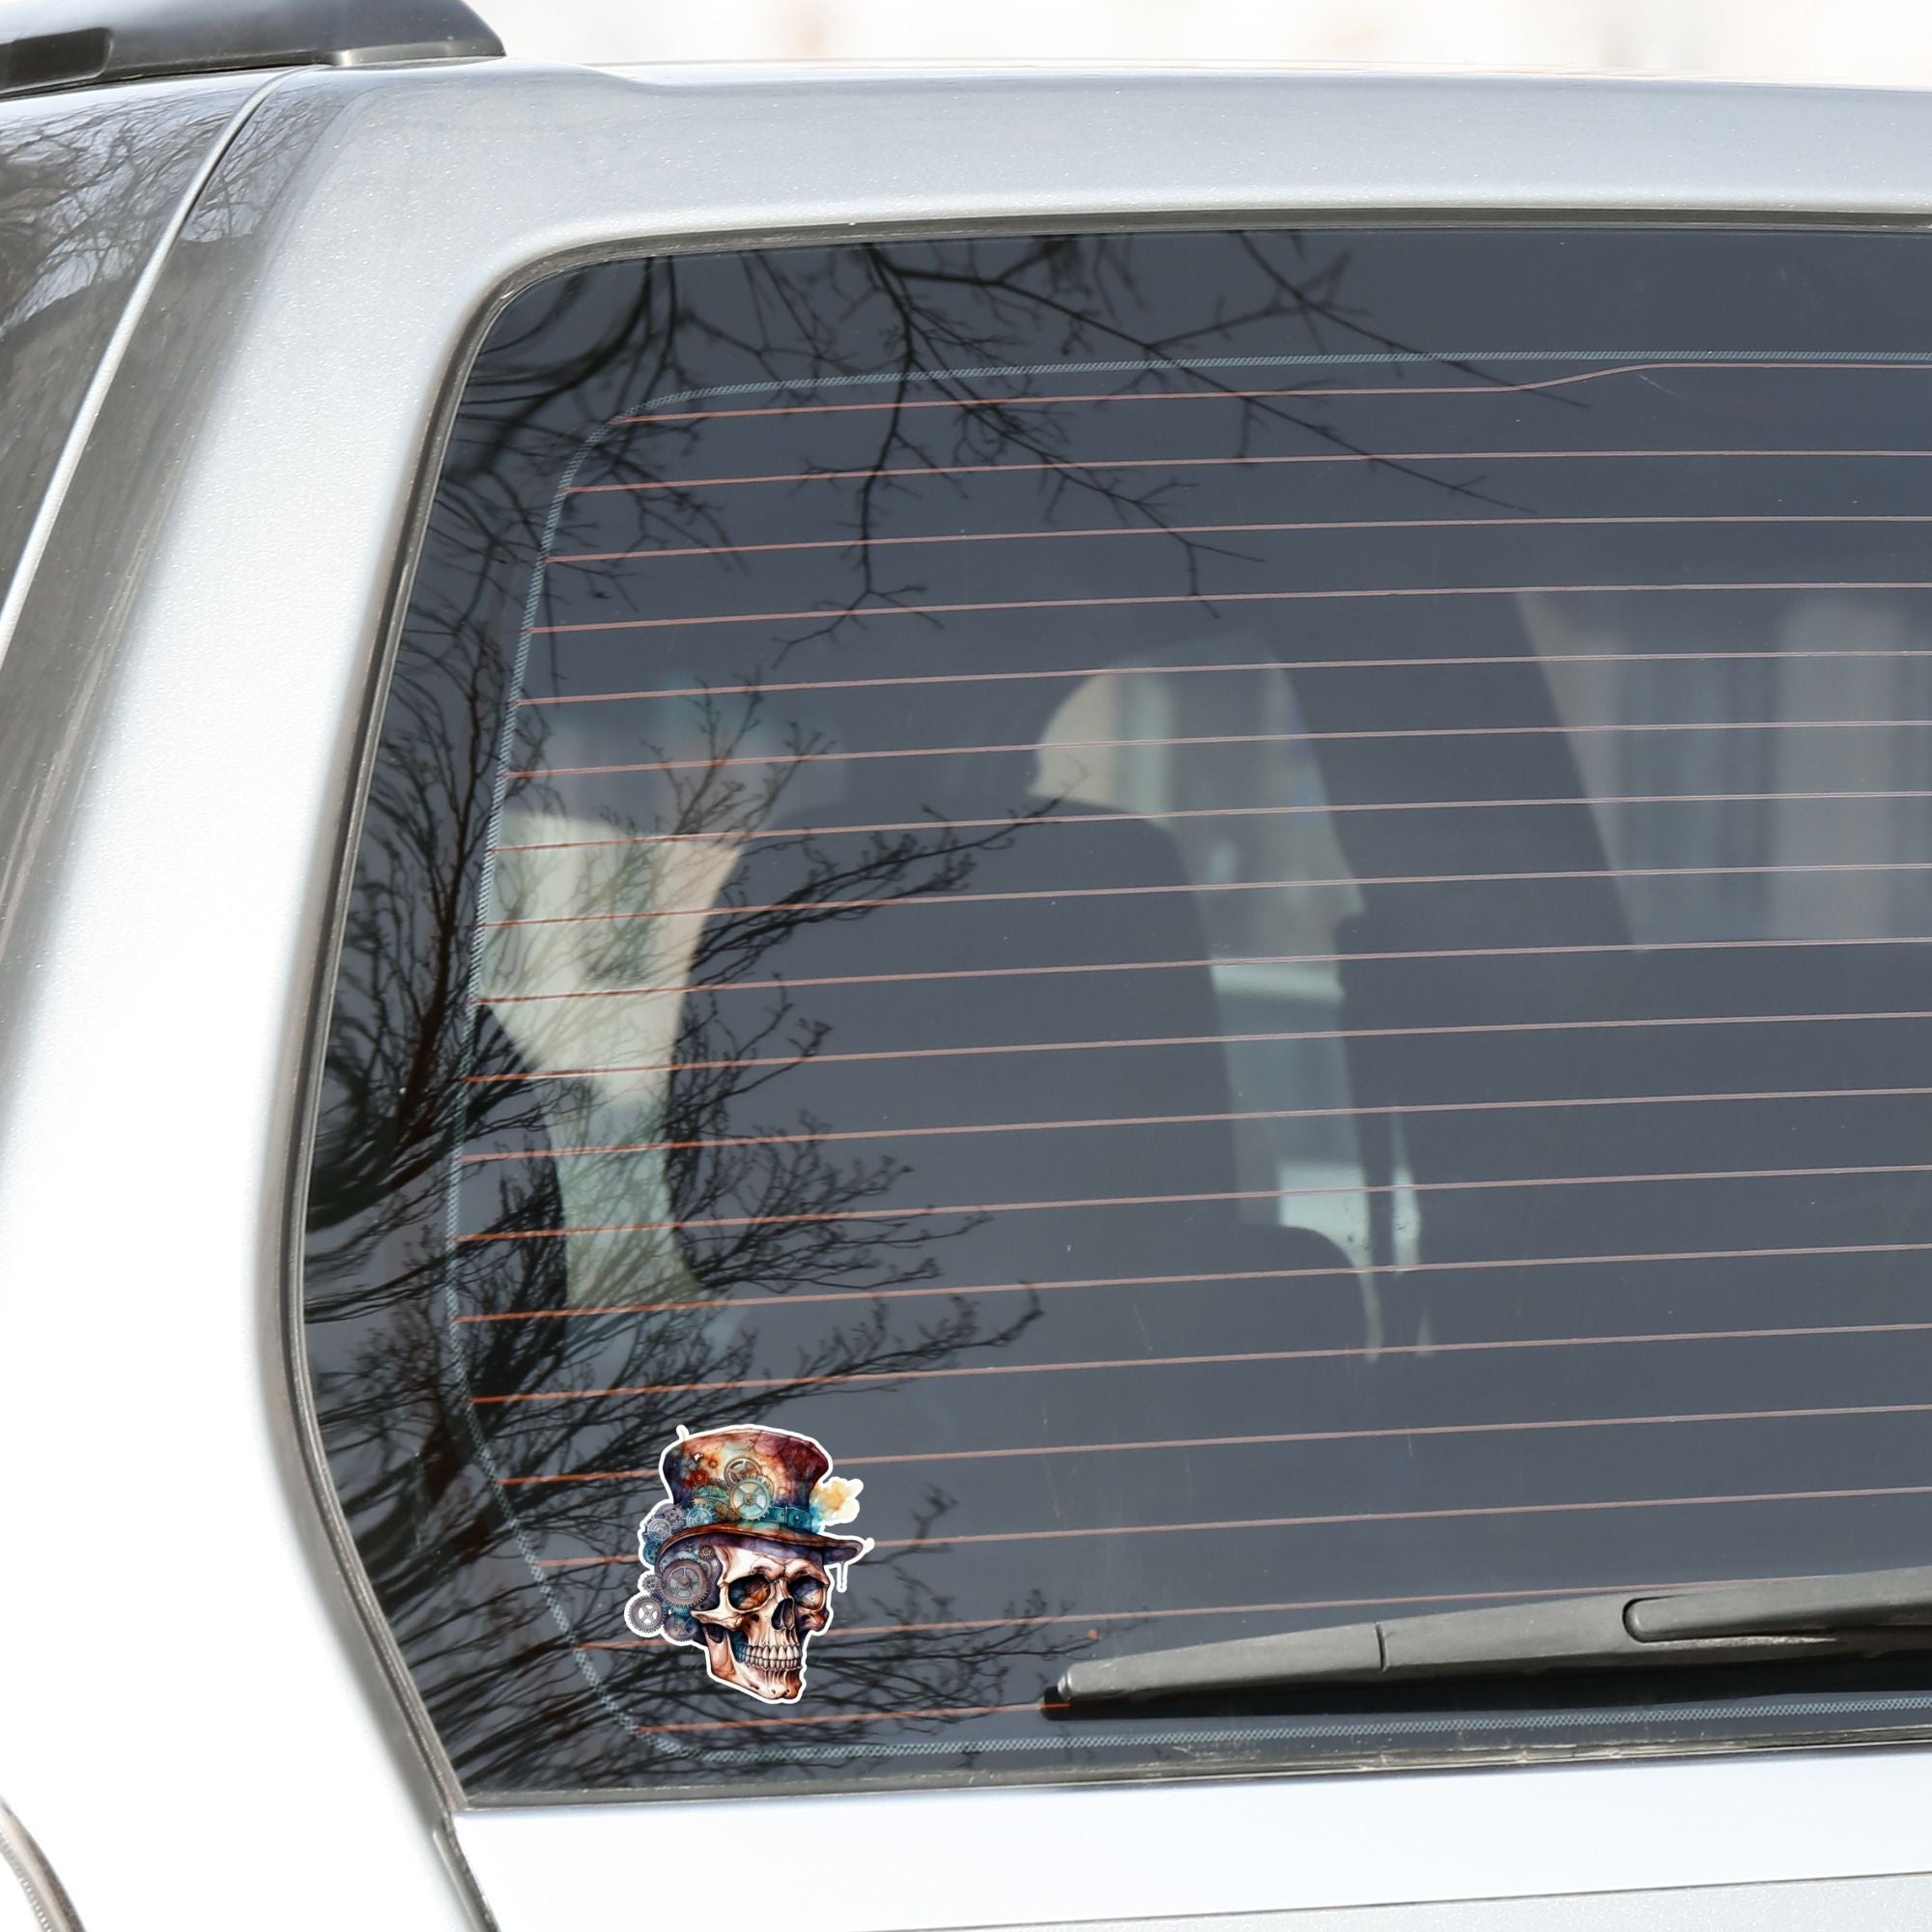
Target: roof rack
pixel 57 44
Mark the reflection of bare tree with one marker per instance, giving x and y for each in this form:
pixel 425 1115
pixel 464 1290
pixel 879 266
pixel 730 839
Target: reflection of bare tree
pixel 84 192
pixel 679 1365
pixel 61 171
pixel 493 1406
pixel 806 314
pixel 693 1022
pixel 891 315
pixel 449 1497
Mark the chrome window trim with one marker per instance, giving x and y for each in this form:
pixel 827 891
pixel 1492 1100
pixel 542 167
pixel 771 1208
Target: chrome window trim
pixel 226 556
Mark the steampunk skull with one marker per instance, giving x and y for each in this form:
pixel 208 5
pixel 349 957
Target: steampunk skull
pixel 741 1558
pixel 773 1597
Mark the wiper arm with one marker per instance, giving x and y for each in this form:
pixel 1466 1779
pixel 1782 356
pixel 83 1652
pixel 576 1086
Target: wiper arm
pixel 1870 1611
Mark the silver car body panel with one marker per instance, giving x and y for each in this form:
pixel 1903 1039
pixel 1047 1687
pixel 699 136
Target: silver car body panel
pixel 1150 1852
pixel 202 1719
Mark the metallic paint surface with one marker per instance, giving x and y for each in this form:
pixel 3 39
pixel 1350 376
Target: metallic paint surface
pixel 1119 1855
pixel 196 1724
pixel 89 186
pixel 1826 1905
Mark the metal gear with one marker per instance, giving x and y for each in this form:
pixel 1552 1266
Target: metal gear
pixel 684 1581
pixel 749 1499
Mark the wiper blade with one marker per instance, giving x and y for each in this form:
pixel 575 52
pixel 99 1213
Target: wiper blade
pixel 1865 1614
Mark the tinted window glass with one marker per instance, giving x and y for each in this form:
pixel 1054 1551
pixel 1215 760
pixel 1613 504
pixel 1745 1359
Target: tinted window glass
pixel 1242 916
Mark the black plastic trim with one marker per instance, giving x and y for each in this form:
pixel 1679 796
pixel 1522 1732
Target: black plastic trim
pixel 61 44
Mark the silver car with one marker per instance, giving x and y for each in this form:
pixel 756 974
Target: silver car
pixel 1014 980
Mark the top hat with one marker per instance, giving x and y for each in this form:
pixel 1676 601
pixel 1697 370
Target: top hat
pixel 766 1483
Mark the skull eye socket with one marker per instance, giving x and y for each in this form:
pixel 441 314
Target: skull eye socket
pixel 749 1593
pixel 808 1592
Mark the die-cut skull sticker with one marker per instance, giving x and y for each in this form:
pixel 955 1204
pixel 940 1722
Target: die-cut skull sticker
pixel 737 1561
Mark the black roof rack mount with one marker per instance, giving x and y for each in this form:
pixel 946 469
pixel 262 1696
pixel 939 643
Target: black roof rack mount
pixel 55 43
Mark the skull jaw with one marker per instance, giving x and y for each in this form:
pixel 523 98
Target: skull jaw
pixel 772 1672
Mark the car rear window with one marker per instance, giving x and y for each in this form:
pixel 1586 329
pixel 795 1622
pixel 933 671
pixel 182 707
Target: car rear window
pixel 1069 944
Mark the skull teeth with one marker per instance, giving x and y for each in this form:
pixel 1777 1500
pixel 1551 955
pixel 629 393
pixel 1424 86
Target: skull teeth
pixel 774 1657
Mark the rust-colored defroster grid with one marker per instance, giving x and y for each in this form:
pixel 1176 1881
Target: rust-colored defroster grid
pixel 1246 913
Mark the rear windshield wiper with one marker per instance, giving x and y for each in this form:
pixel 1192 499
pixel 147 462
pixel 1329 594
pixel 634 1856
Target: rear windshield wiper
pixel 1870 1611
